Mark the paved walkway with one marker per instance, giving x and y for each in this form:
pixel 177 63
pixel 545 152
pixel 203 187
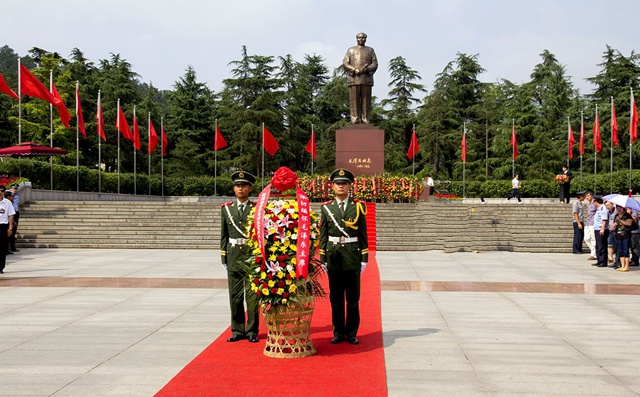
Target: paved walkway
pixel 124 322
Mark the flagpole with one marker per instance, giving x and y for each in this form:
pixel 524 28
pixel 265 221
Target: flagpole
pixel 464 161
pixel 611 150
pixel 413 159
pixel 118 133
pixel 100 143
pixel 595 154
pixel 19 103
pixel 581 144
pixel 135 156
pixel 262 155
pixel 313 140
pixel 77 141
pixel 162 155
pixel 215 159
pixel 513 150
pixel 149 150
pixel 630 138
pixel 568 141
pixel 51 128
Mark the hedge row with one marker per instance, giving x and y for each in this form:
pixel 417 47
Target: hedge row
pixel 388 188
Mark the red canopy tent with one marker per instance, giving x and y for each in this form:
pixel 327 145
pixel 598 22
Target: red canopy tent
pixel 31 149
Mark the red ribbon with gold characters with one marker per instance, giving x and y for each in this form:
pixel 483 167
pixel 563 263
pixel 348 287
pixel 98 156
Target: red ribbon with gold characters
pixel 258 219
pixel 304 237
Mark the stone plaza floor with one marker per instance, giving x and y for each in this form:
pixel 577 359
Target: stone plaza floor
pixel 77 322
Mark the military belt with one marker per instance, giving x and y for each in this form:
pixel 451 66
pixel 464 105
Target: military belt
pixel 237 241
pixel 343 240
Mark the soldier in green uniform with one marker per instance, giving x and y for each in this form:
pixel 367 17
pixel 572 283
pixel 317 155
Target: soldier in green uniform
pixel 233 247
pixel 344 251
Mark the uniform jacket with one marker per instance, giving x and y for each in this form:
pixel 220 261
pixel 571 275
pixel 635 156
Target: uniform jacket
pixel 228 252
pixel 356 58
pixel 352 253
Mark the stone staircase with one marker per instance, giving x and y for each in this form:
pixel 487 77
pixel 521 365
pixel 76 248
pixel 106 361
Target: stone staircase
pixel 196 225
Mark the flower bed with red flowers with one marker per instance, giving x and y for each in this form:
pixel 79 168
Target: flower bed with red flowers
pixel 447 196
pixel 7 181
pixel 368 188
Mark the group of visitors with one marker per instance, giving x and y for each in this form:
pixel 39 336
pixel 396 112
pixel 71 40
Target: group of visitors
pixel 610 231
pixel 9 216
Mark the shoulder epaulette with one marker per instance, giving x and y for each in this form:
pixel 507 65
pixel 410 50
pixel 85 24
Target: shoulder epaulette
pixel 327 202
pixel 225 204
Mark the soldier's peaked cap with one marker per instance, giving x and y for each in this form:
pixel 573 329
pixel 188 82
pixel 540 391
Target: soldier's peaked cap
pixel 342 175
pixel 242 177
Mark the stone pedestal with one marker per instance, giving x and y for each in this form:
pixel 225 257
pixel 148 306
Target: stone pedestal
pixel 360 149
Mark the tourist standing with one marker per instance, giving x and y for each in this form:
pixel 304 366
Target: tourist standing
pixel 6 221
pixel 16 218
pixel 601 230
pixel 589 232
pixel 578 223
pixel 565 187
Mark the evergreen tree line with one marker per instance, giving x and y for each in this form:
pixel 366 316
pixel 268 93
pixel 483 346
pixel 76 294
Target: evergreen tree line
pixel 290 96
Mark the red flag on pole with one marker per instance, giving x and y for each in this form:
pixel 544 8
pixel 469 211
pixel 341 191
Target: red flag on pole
pixel 4 87
pixel 633 126
pixel 614 124
pixel 464 146
pixel 572 140
pixel 62 109
pixel 219 142
pixel 581 143
pixel 31 86
pixel 100 119
pixel 136 133
pixel 514 142
pixel 270 143
pixel 311 145
pixel 122 126
pixel 79 113
pixel 165 142
pixel 153 137
pixel 413 145
pixel 597 142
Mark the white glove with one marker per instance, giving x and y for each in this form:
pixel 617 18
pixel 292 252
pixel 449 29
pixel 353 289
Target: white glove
pixel 225 266
pixel 363 265
pixel 324 267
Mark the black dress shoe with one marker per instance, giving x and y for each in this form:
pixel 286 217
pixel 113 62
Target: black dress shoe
pixel 235 338
pixel 9 253
pixel 602 265
pixel 594 264
pixel 15 250
pixel 353 340
pixel 253 339
pixel 634 264
pixel 337 339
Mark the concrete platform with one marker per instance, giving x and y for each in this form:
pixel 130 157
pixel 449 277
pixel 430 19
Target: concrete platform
pixel 79 322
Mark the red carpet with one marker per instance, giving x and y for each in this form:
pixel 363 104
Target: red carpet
pixel 240 369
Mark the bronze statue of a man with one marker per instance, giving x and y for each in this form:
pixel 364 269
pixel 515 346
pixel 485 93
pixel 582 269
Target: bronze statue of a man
pixel 360 63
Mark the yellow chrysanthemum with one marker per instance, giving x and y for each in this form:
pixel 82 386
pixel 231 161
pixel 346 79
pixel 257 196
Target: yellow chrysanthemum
pixel 271 283
pixel 284 301
pixel 265 291
pixel 288 282
pixel 263 275
pixel 292 288
pixel 292 273
pixel 280 274
pixel 280 291
pixel 272 257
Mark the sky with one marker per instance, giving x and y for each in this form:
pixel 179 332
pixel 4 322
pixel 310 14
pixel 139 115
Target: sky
pixel 161 38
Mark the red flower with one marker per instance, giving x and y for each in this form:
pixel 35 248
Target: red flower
pixel 270 276
pixel 288 276
pixel 281 284
pixel 284 179
pixel 259 293
pixel 274 290
pixel 258 260
pixel 256 281
pixel 265 285
pixel 285 295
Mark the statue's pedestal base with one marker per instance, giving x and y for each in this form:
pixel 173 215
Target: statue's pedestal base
pixel 360 149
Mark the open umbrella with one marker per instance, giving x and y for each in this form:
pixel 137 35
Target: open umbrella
pixel 31 149
pixel 623 201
